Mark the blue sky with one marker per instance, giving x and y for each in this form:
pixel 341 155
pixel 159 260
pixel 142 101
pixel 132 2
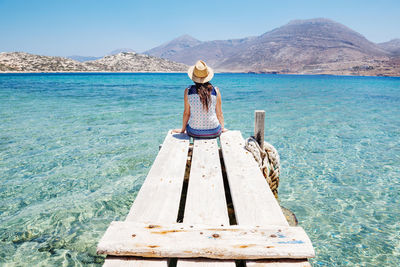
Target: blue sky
pixel 96 27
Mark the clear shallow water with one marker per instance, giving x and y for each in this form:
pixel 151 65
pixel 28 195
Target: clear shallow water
pixel 75 149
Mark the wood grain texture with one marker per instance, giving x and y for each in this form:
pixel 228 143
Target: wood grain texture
pixel 159 197
pixel 139 214
pixel 279 263
pixel 217 242
pixel 117 261
pixel 205 202
pixel 252 198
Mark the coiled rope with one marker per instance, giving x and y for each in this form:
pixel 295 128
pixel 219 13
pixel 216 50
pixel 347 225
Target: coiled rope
pixel 268 160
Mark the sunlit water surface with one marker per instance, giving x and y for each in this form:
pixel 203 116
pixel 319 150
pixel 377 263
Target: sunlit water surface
pixel 75 149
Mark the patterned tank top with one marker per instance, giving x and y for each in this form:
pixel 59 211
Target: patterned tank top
pixel 199 117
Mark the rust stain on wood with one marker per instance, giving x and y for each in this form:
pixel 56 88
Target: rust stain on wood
pixel 151 226
pixel 167 231
pixel 215 235
pixel 223 230
pixel 244 246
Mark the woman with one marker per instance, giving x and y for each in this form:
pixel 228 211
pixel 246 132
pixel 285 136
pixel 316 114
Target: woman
pixel 202 117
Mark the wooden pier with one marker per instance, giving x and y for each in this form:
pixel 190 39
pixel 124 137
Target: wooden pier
pixel 180 216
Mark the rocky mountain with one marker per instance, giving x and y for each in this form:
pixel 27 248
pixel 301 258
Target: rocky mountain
pixel 211 51
pixel 173 47
pixel 133 62
pixel 393 47
pixel 24 62
pixel 301 46
pixel 314 46
pixel 122 62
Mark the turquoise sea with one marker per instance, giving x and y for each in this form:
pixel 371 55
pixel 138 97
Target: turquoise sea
pixel 75 149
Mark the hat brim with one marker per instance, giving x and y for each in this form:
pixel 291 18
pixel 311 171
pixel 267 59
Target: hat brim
pixel 198 79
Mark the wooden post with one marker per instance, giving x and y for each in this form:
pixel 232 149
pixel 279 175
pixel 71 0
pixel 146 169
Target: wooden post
pixel 259 122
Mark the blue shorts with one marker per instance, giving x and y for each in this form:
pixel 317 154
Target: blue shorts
pixel 204 133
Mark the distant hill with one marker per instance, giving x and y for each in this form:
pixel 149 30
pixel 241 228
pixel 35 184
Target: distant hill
pixel 83 58
pixel 313 46
pixel 189 52
pixel 393 47
pixel 122 62
pixel 120 50
pixel 173 47
pixel 90 58
pixel 24 62
pixel 301 46
pixel 132 62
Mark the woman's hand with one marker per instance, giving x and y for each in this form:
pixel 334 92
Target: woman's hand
pixel 178 131
pixel 224 130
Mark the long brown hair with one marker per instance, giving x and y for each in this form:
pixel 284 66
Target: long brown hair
pixel 204 92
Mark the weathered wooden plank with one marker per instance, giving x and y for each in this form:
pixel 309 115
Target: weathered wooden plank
pixel 117 261
pixel 217 242
pixel 205 201
pixel 159 197
pixel 259 124
pixel 279 263
pixel 252 198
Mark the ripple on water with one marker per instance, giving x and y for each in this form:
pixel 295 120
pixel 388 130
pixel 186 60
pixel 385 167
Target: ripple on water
pixel 75 149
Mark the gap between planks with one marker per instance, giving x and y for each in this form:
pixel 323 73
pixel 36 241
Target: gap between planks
pixel 205 201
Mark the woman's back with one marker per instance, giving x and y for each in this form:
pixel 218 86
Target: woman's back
pixel 200 117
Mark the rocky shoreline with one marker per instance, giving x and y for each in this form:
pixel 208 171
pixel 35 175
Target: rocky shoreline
pixel 180 72
pixel 20 62
pixel 130 62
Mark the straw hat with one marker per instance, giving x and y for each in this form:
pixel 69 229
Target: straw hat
pixel 200 72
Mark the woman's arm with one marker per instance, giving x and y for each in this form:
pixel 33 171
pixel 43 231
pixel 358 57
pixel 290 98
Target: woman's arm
pixel 186 113
pixel 218 110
